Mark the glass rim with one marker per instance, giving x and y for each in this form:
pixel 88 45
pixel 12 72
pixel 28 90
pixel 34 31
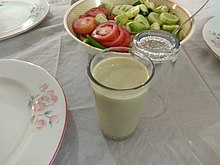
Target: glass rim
pixel 156 33
pixel 119 89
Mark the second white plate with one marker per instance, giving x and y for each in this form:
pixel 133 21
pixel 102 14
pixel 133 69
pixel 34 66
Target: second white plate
pixel 19 16
pixel 211 35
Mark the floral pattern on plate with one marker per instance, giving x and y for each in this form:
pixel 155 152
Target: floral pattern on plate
pixel 37 10
pixel 41 107
pixel 216 38
pixel 211 35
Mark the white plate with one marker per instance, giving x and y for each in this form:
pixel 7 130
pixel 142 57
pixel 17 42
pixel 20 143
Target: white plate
pixel 33 114
pixel 211 35
pixel 19 16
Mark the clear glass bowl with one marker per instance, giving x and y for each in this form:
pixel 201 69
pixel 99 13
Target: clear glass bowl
pixel 158 45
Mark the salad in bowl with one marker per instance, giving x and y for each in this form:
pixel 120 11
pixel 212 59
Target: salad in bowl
pixel 101 24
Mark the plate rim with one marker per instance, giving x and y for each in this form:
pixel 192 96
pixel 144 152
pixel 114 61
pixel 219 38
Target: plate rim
pixel 204 31
pixel 20 31
pixel 64 110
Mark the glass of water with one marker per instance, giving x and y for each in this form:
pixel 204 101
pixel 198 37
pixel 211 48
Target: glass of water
pixel 162 48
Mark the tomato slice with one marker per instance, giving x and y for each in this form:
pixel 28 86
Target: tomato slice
pixel 116 41
pixel 106 31
pixel 127 38
pixel 84 25
pixel 94 11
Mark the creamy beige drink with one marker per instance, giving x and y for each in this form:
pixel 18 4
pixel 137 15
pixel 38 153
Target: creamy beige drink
pixel 118 108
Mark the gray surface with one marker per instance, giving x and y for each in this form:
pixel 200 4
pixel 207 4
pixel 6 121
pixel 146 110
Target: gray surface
pixel 188 133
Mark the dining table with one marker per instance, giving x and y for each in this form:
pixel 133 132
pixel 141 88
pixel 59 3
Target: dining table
pixel 187 134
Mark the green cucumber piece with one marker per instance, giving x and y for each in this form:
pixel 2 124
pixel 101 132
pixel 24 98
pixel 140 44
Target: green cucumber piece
pixel 137 2
pixel 128 7
pixel 89 40
pixel 181 35
pixel 150 5
pixel 116 10
pixel 125 8
pixel 155 26
pixel 108 6
pixel 170 27
pixel 121 18
pixel 140 18
pixel 161 9
pixel 119 9
pixel 135 27
pixel 134 11
pixel 154 17
pixel 168 18
pixel 100 18
pixel 143 9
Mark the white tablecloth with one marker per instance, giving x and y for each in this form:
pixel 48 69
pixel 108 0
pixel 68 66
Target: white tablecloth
pixel 188 134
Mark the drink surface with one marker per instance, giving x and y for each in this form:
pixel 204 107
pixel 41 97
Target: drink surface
pixel 121 73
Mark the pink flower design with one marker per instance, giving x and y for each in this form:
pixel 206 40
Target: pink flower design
pixel 39 104
pixel 216 43
pixel 53 119
pixel 49 99
pixel 39 124
pixel 52 97
pixel 216 38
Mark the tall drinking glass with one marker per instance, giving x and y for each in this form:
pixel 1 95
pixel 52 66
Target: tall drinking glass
pixel 119 79
pixel 162 48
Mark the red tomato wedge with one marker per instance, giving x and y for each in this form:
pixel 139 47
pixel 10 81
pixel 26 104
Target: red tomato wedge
pixel 117 41
pixel 84 25
pixel 94 11
pixel 105 32
pixel 127 38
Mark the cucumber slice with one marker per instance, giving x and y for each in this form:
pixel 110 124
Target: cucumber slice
pixel 122 18
pixel 181 35
pixel 134 11
pixel 143 9
pixel 137 2
pixel 135 27
pixel 100 18
pixel 168 18
pixel 140 18
pixel 155 26
pixel 122 8
pixel 150 5
pixel 154 17
pixel 170 27
pixel 116 10
pixel 125 8
pixel 128 7
pixel 161 9
pixel 108 6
